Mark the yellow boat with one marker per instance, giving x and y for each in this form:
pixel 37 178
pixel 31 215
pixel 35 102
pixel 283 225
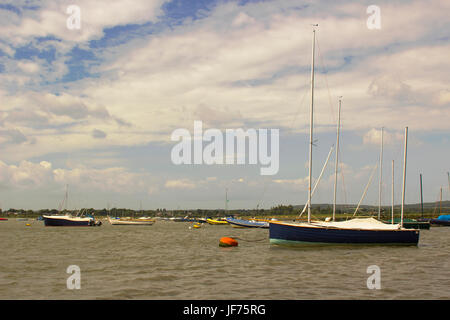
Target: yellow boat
pixel 212 221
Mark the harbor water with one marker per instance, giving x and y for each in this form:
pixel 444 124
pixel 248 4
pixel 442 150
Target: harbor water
pixel 173 261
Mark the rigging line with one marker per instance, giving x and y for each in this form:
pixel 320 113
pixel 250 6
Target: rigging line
pixel 326 78
pixel 318 180
pixel 300 106
pixel 291 127
pixel 263 193
pixel 341 168
pixel 365 190
pixel 332 112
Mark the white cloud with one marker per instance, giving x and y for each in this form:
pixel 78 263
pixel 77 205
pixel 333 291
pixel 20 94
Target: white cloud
pixel 28 67
pixel 179 184
pixel 373 136
pixel 51 18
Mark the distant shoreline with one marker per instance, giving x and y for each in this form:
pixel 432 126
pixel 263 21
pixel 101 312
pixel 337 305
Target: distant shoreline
pixel 319 211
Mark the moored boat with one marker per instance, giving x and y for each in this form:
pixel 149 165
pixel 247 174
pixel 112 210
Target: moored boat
pixel 412 223
pixel 216 221
pixel 69 221
pixel 131 221
pixel 442 220
pixel 355 231
pixel 252 223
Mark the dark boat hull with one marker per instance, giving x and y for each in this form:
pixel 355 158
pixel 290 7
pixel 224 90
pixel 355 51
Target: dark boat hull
pixel 304 235
pixel 440 222
pixel 50 222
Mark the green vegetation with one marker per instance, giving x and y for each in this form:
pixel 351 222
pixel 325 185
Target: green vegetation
pixel 318 211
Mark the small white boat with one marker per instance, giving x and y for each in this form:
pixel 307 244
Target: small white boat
pixel 69 221
pixel 131 221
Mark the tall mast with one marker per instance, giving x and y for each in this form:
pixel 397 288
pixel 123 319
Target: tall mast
pixel 226 200
pixel 421 195
pixel 66 197
pixel 392 210
pixel 440 203
pixel 336 158
pixel 311 125
pixel 381 176
pixel 448 177
pixel 404 174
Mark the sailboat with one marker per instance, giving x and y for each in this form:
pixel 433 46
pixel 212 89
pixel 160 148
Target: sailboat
pixel 220 221
pixel 350 232
pixel 131 221
pixel 250 223
pixel 68 220
pixel 420 223
pixel 443 219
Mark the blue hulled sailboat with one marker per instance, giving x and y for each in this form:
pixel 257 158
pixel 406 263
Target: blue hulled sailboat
pixel 351 232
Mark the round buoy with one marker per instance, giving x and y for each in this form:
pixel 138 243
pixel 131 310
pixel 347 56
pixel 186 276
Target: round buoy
pixel 228 242
pixel 28 224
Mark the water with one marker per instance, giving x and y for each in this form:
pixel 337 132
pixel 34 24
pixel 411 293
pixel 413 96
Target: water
pixel 171 261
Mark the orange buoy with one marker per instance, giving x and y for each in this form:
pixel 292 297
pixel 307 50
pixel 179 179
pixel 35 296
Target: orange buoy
pixel 228 242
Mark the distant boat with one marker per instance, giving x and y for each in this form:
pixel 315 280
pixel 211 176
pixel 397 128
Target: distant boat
pixel 354 231
pixel 185 219
pixel 131 221
pixel 252 223
pixel 442 220
pixel 412 223
pixel 69 220
pixel 216 221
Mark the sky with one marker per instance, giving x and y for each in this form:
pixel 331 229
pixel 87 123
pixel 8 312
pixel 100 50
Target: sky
pixel 95 107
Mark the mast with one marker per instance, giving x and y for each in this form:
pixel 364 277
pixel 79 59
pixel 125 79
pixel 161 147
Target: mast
pixel 336 158
pixel 311 125
pixel 421 195
pixel 318 179
pixel 226 200
pixel 381 175
pixel 392 210
pixel 404 175
pixel 448 177
pixel 440 203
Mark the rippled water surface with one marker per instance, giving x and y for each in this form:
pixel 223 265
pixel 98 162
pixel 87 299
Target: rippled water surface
pixel 170 260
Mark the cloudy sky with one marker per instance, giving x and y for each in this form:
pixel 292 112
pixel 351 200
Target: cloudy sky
pixel 94 108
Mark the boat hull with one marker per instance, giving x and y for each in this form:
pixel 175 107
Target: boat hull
pixel 285 234
pixel 239 223
pixel 440 222
pixel 69 222
pixel 216 222
pixel 131 222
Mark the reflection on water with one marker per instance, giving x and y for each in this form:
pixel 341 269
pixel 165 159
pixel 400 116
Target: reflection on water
pixel 172 261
